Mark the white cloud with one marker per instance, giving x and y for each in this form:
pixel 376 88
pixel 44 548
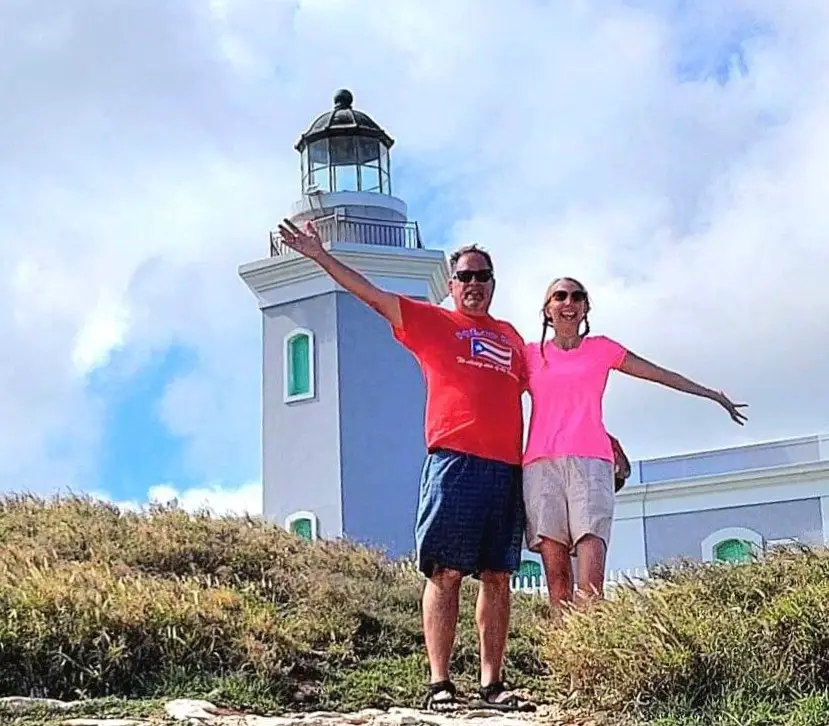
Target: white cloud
pixel 144 168
pixel 220 500
pixel 245 499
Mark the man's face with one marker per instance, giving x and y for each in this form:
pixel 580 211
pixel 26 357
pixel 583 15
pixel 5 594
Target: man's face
pixel 472 284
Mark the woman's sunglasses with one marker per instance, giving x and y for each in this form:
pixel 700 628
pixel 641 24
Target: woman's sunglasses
pixel 576 296
pixel 469 275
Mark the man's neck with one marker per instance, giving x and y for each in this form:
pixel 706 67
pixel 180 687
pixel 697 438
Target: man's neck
pixel 473 313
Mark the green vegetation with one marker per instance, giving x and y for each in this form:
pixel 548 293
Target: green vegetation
pixel 95 602
pixel 745 644
pixel 99 603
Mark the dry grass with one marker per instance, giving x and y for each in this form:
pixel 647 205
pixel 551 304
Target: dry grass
pixel 99 603
pixel 713 639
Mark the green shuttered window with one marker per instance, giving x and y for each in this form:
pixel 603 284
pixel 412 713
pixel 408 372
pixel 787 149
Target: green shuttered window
pixel 303 524
pixel 302 528
pixel 299 365
pixel 733 550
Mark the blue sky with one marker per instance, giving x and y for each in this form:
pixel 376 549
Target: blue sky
pixel 627 144
pixel 137 451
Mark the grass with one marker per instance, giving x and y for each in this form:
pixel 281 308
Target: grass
pixel 742 645
pixel 97 603
pixel 128 609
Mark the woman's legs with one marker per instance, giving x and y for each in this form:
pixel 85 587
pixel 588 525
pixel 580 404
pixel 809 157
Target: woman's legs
pixel 570 499
pixel 590 563
pixel 547 528
pixel 591 500
pixel 558 571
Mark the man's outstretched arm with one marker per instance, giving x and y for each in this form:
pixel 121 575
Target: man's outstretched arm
pixel 309 244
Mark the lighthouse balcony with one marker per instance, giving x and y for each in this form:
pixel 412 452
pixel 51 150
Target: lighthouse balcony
pixel 357 230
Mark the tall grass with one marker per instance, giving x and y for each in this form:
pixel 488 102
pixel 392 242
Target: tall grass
pixel 96 602
pixel 704 636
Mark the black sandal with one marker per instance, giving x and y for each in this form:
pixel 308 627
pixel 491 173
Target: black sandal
pixel 489 698
pixel 441 696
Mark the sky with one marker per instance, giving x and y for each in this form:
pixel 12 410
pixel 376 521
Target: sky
pixel 674 156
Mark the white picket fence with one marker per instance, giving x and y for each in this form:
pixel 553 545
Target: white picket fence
pixel 537 585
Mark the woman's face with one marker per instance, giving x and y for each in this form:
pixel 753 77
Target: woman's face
pixel 566 306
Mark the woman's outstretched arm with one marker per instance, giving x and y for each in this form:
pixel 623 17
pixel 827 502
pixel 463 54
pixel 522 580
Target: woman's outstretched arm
pixel 638 367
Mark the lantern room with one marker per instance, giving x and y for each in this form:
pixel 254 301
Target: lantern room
pixel 345 150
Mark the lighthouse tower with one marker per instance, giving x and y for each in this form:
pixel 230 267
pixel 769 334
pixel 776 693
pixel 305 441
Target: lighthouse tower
pixel 342 401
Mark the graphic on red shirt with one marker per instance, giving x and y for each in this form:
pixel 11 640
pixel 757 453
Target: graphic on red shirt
pixel 487 349
pixel 475 374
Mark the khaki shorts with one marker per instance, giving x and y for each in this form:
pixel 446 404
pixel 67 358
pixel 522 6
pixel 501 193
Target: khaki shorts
pixel 567 498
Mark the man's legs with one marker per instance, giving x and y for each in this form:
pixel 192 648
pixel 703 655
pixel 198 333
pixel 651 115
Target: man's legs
pixel 492 613
pixel 500 557
pixel 449 531
pixel 440 618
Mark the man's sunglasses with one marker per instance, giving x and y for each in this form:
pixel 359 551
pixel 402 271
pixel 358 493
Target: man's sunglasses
pixel 576 296
pixel 469 275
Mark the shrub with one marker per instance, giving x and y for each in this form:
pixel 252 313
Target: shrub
pixel 703 633
pixel 99 602
pixel 69 629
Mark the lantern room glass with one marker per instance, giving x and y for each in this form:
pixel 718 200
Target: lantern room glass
pixel 347 164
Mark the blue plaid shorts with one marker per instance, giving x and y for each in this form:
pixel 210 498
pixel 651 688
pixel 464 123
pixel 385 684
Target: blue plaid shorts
pixel 470 515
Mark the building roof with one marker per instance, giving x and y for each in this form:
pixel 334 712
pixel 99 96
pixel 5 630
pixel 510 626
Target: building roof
pixel 343 120
pixel 749 457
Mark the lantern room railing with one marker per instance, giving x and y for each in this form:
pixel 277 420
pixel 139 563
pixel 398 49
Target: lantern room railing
pixel 357 230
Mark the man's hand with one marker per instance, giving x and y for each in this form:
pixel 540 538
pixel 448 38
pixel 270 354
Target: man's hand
pixel 307 243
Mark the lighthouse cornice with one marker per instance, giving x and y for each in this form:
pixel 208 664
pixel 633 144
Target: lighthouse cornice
pixel 415 272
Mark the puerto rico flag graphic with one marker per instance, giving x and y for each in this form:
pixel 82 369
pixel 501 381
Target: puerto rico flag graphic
pixel 496 353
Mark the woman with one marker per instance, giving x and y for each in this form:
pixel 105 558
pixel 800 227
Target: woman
pixel 569 461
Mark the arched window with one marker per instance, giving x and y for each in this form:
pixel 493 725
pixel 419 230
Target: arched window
pixel 303 525
pixel 299 365
pixel 732 544
pixel 732 550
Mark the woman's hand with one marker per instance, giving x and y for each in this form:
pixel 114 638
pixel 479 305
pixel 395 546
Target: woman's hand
pixel 731 407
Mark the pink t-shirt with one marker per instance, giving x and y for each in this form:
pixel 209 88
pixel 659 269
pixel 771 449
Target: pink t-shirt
pixel 567 393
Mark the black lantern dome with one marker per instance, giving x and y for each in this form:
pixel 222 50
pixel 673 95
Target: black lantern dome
pixel 345 150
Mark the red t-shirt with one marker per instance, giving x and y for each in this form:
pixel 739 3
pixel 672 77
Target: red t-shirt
pixel 475 375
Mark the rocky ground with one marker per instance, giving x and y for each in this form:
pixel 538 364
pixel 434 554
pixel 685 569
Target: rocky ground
pixel 49 711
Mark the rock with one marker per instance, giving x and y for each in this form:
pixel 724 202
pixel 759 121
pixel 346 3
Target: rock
pixel 103 722
pixel 205 713
pixel 191 709
pixel 485 713
pixel 402 719
pixel 23 704
pixel 323 716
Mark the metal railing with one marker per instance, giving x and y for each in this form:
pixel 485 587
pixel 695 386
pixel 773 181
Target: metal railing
pixel 357 230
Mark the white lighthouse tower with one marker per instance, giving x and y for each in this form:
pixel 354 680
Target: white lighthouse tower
pixel 342 401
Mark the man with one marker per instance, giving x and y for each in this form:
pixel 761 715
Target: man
pixel 470 519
